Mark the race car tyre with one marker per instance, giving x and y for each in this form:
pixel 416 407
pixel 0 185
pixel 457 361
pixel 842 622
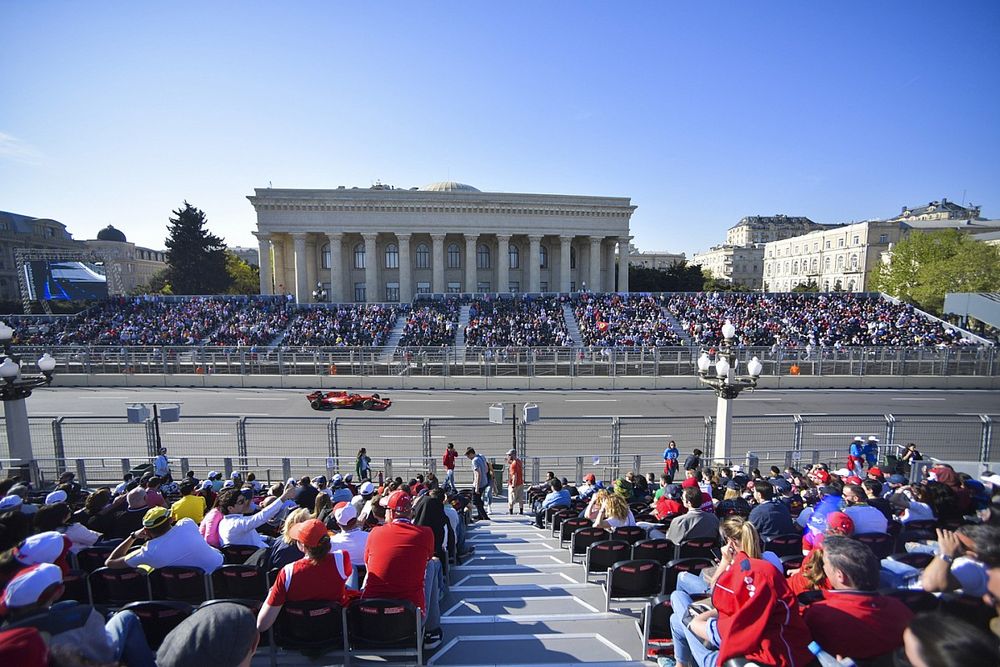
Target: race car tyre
pixel 376 396
pixel 368 403
pixel 317 404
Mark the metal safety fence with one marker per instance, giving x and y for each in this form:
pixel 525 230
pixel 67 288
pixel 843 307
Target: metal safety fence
pixel 413 444
pixel 511 361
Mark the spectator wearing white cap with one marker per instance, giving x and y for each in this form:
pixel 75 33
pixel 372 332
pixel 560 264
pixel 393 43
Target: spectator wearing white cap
pixel 77 633
pixel 365 493
pixel 48 547
pixel 216 478
pixel 10 503
pixel 57 496
pixel 350 538
pixel 21 491
pixel 340 491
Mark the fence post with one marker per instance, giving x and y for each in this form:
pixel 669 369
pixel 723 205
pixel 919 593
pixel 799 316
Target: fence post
pixel 335 439
pixel 890 430
pixel 241 442
pixel 536 466
pixel 616 445
pixel 185 466
pixel 709 437
pixel 637 464
pixel 522 436
pixel 984 450
pixel 388 469
pixel 579 468
pixel 151 439
pixel 797 437
pixel 81 472
pixel 58 445
pixel 227 465
pixel 286 469
pixel 425 433
pixel 126 466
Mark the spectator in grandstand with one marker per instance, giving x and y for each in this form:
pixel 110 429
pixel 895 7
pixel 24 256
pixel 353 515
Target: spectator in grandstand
pixel 944 474
pixel 693 462
pixel 350 538
pixel 614 513
pixel 957 565
pixel 129 520
pixel 323 511
pixel 340 493
pixel 623 320
pixel 342 326
pixel 321 575
pixel 58 518
pixel 284 550
pixel 448 461
pixel 517 322
pixel 154 497
pixel 811 576
pixel 853 619
pixel 24 647
pixel 670 456
pixel 237 529
pixel 161 465
pixel 909 503
pixel 305 493
pixel 21 491
pixel 431 324
pixel 363 465
pixel 754 615
pixel 189 506
pixel 166 545
pixel 365 492
pixel 694 523
pixel 515 482
pixel 558 497
pixel 75 632
pixel 669 503
pixel 400 560
pixel 222 634
pixel 429 512
pixel 942 640
pixel 873 493
pixel 855 456
pixel 866 518
pixel 480 481
pixel 911 454
pixel 96 513
pixel 770 517
pixel 124 484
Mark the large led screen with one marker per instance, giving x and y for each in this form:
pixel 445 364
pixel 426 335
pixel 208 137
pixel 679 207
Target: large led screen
pixel 65 281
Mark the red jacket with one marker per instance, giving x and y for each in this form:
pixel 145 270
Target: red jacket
pixel 858 624
pixel 449 459
pixel 758 615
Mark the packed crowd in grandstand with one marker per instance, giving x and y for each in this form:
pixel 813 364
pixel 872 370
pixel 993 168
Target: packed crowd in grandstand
pixel 521 322
pixel 756 564
pixel 819 321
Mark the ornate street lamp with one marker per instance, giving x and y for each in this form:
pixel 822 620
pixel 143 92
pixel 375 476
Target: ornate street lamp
pixel 319 294
pixel 727 385
pixel 13 390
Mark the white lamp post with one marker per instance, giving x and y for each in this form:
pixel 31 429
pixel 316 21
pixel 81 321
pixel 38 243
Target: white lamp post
pixel 16 387
pixel 727 385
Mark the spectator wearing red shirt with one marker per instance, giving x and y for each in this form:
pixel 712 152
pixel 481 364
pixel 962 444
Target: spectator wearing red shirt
pixel 400 560
pixel 320 575
pixel 448 460
pixel 515 482
pixel 853 620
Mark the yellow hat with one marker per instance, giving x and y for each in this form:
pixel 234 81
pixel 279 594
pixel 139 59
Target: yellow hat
pixel 155 517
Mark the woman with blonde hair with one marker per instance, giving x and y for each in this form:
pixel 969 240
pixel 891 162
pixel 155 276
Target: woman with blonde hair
pixel 614 513
pixel 595 504
pixel 323 510
pixel 284 549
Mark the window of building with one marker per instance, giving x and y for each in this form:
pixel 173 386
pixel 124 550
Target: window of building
pixel 543 254
pixel 392 292
pixel 854 261
pixel 840 243
pixel 795 268
pixel 544 286
pixel 483 286
pixel 359 291
pixel 483 256
pixel 49 232
pixel 454 256
pixel 850 285
pixel 814 264
pixel 827 245
pixel 324 254
pixel 883 238
pixel 359 256
pixel 572 258
pixel 514 286
pixel 392 256
pixel 423 257
pixel 454 288
pixel 826 264
pixel 840 262
pixel 423 288
pixel 515 257
pixel 856 240
pixel 572 286
pixel 815 247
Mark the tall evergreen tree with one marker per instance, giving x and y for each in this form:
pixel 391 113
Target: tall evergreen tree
pixel 196 258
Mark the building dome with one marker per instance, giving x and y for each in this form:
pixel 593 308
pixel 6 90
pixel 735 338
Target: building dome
pixel 109 233
pixel 449 186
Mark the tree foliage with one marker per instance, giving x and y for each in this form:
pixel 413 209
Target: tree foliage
pixel 196 258
pixel 244 277
pixel 810 286
pixel 158 284
pixel 926 265
pixel 679 277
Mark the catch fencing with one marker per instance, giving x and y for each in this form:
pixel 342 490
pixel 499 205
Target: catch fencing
pixel 103 447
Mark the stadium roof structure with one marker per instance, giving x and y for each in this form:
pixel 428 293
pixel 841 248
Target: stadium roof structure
pixel 983 306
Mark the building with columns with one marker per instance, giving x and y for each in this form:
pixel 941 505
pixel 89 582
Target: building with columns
pixel 386 244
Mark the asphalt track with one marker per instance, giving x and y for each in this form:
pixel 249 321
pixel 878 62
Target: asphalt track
pixel 111 402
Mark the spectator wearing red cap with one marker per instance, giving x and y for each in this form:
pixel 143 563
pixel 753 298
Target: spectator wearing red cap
pixel 321 575
pixel 400 560
pixel 853 620
pixel 811 576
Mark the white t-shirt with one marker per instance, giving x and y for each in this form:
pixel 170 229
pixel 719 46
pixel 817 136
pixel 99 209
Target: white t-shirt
pixel 917 512
pixel 353 543
pixel 971 575
pixel 182 545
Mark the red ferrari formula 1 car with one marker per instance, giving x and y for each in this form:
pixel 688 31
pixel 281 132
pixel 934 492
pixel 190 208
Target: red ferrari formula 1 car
pixel 330 400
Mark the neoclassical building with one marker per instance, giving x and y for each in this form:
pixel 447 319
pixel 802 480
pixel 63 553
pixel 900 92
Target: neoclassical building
pixel 386 244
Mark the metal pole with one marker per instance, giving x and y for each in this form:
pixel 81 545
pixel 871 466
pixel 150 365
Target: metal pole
pixel 19 434
pixel 723 428
pixel 156 428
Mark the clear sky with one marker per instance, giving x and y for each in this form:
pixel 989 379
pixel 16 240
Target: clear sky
pixel 701 112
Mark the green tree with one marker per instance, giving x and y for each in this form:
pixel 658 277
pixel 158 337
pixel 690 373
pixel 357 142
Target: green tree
pixel 244 277
pixel 679 277
pixel 926 265
pixel 810 286
pixel 196 258
pixel 158 284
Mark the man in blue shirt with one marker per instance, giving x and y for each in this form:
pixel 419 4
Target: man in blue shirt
pixel 770 517
pixel 557 497
pixel 670 455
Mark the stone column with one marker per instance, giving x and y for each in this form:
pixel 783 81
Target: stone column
pixel 371 269
pixel 608 252
pixel 280 279
pixel 595 264
pixel 623 263
pixel 264 253
pixel 503 263
pixel 534 262
pixel 565 277
pixel 470 262
pixel 405 272
pixel 312 265
pixel 301 281
pixel 336 267
pixel 437 263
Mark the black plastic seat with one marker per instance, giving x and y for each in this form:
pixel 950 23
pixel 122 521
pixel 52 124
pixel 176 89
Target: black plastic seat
pixel 631 534
pixel 654 625
pixel 881 544
pixel 784 545
pixel 632 580
pixel 239 581
pixel 75 587
pixel 237 554
pixel 696 548
pixel 559 517
pixel 917 600
pixel 159 617
pixel 791 562
pixel 387 627
pixel 659 549
pixel 673 569
pixel 602 555
pixel 568 526
pixel 315 627
pixel 92 558
pixel 117 587
pixel 583 538
pixel 181 584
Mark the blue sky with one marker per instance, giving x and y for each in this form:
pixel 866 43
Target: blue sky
pixel 116 112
